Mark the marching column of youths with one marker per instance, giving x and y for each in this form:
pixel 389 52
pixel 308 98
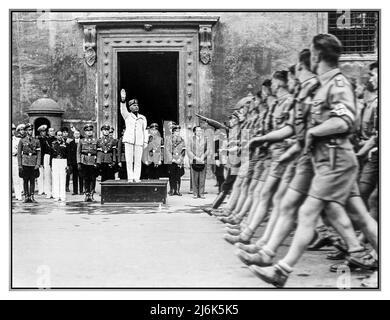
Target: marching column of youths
pixel 312 171
pixel 299 158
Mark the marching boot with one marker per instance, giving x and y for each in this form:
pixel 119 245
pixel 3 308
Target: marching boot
pixel 217 202
pixel 245 237
pixel 275 275
pixel 91 196
pixel 26 198
pixel 260 258
pixel 249 248
pixel 86 197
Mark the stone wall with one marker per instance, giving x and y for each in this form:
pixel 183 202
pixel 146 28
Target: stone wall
pixel 47 50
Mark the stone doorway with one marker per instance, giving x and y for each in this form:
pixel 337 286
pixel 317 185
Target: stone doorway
pixel 152 78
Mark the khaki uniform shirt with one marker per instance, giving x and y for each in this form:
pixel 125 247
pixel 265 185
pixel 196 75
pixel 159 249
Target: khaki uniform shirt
pixel 87 151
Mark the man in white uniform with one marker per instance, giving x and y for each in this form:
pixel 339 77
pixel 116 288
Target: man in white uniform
pixel 135 137
pixel 16 180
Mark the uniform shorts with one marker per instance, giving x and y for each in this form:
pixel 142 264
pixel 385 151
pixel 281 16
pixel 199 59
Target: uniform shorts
pixel 333 185
pixel 289 172
pixel 244 168
pixel 88 171
pixel 370 173
pixel 277 169
pixel 29 172
pixel 304 174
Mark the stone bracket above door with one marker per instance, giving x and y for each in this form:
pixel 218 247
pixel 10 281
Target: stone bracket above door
pixel 202 22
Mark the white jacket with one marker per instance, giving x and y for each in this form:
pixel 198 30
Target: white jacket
pixel 135 132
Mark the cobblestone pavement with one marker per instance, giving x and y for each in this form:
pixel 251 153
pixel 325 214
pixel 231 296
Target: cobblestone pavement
pixel 123 246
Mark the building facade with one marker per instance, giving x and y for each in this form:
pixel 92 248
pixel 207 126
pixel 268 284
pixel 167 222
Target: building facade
pixel 176 64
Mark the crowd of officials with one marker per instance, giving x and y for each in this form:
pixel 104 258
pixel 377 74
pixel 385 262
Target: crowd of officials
pixel 300 156
pixel 54 156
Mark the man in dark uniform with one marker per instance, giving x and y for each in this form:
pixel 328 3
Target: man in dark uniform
pixel 86 161
pixel 68 140
pixel 106 154
pixel 77 180
pixel 174 156
pixel 29 160
pixel 152 156
pixel 121 160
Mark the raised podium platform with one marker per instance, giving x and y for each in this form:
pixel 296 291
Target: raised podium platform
pixel 145 191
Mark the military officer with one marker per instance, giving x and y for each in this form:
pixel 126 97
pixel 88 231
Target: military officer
pixel 106 154
pixel 152 156
pixel 175 152
pixel 29 160
pixel 333 115
pixel 17 182
pixel 86 160
pixel 121 160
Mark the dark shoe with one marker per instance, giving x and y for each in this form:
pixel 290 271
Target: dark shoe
pixel 260 258
pixel 340 245
pixel 26 199
pixel 32 199
pixel 274 275
pixel 179 194
pixel 249 248
pixel 320 243
pixel 67 190
pixel 208 211
pixel 362 260
pixel 336 255
pixel 74 193
pixel 86 198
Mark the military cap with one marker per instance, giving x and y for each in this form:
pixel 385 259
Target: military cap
pixel 88 126
pixel 42 127
pixel 281 75
pixel 133 101
pixel 20 127
pixel 154 126
pixel 243 102
pixel 175 128
pixel 13 126
pixel 112 129
pixel 105 127
pixel 28 126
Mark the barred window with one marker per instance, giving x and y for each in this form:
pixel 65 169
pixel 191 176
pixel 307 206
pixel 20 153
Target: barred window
pixel 357 30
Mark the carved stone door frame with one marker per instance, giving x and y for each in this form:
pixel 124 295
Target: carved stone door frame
pixel 189 34
pixel 113 41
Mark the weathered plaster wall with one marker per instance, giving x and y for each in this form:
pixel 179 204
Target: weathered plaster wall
pixel 47 50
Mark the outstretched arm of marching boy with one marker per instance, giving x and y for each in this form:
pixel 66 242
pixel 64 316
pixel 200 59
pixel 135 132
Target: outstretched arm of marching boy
pixel 124 112
pixel 273 136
